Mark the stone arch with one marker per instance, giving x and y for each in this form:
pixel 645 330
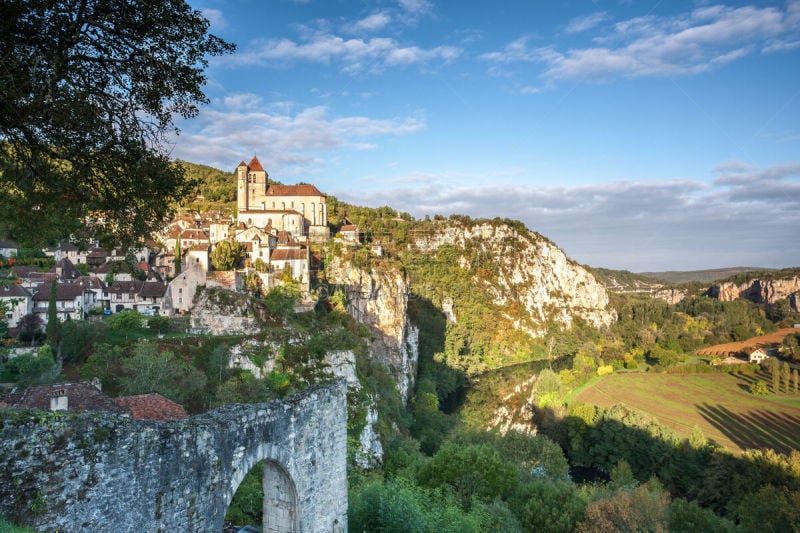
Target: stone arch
pixel 181 475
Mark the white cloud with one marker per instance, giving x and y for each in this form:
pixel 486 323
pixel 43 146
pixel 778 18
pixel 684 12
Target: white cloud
pixel 749 215
pixel 687 44
pixel 288 143
pixel 587 22
pixel 354 54
pixel 415 7
pixel 216 18
pixel 374 22
pixel 242 101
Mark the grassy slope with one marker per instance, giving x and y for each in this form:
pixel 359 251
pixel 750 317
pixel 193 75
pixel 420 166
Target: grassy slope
pixel 718 404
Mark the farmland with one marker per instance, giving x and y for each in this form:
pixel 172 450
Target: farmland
pixel 763 341
pixel 719 404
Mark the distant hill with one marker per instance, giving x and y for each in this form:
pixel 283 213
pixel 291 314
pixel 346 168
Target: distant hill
pixel 701 276
pixel 625 281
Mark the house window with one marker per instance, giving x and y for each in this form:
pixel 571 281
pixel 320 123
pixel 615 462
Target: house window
pixel 180 290
pixel 180 300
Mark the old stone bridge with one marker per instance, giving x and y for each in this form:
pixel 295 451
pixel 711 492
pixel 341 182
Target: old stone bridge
pixel 93 471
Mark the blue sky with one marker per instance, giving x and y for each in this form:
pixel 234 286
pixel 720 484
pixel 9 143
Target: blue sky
pixel 642 135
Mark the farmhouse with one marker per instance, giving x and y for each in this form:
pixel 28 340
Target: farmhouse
pixel 757 355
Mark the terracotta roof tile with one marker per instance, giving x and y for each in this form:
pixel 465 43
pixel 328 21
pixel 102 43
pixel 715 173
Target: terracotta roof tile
pixel 151 407
pixel 288 254
pixel 255 165
pixel 293 190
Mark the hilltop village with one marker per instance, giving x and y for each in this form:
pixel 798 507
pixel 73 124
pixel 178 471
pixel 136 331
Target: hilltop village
pixel 273 228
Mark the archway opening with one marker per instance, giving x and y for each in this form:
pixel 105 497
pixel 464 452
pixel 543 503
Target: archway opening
pixel 266 499
pixel 247 505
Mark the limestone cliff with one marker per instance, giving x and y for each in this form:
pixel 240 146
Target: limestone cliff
pixel 518 267
pixel 760 291
pixel 378 298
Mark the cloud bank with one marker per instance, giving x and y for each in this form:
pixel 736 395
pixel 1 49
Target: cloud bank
pixel 747 214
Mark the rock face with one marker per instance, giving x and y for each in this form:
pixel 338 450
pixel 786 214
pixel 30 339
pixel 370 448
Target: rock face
pixel 378 298
pixel 759 291
pixel 671 296
pixel 221 312
pixel 530 270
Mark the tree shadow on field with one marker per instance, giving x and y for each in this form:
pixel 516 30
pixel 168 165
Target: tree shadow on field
pixel 755 429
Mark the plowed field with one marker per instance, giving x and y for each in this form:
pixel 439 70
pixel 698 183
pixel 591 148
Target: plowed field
pixel 732 348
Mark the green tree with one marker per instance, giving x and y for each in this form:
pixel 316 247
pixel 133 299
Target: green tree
pixel 28 369
pixel 472 472
pixel 227 255
pixel 78 338
pixel 786 376
pixel 776 375
pixel 794 380
pixel 150 371
pixel 178 257
pixel 30 327
pixel 52 317
pixel 89 92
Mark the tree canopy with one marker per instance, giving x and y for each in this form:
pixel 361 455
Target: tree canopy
pixel 88 94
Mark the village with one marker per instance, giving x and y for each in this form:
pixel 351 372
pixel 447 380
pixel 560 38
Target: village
pixel 274 228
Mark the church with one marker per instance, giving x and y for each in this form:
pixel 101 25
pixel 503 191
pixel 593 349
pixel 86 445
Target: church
pixel 299 210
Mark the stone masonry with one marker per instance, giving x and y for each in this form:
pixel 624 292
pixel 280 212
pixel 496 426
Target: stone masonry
pixel 95 471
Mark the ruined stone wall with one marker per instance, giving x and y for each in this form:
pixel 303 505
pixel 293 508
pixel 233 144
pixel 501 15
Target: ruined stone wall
pixel 100 472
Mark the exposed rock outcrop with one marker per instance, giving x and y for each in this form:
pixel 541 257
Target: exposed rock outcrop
pixel 671 296
pixel 759 291
pixel 219 312
pixel 527 269
pixel 378 298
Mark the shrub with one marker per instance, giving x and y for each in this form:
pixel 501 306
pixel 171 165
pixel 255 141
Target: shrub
pixel 759 388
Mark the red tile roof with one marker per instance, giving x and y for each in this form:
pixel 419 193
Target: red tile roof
pixel 255 165
pixel 81 396
pixel 293 190
pixel 288 254
pixel 151 407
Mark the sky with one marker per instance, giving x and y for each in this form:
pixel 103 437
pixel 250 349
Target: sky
pixel 639 135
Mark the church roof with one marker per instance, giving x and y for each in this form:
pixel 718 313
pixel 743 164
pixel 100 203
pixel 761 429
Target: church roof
pixel 293 190
pixel 255 165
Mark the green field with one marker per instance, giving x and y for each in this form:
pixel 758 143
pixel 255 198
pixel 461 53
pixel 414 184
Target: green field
pixel 719 404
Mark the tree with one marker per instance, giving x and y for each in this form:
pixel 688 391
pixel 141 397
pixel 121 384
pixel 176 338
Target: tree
pixel 786 374
pixel 30 326
pixel 227 255
pixel 88 92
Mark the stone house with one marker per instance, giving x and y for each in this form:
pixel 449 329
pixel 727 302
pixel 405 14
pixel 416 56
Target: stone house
pixel 350 233
pixel 135 295
pixel 295 260
pixel 18 300
pixel 72 300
